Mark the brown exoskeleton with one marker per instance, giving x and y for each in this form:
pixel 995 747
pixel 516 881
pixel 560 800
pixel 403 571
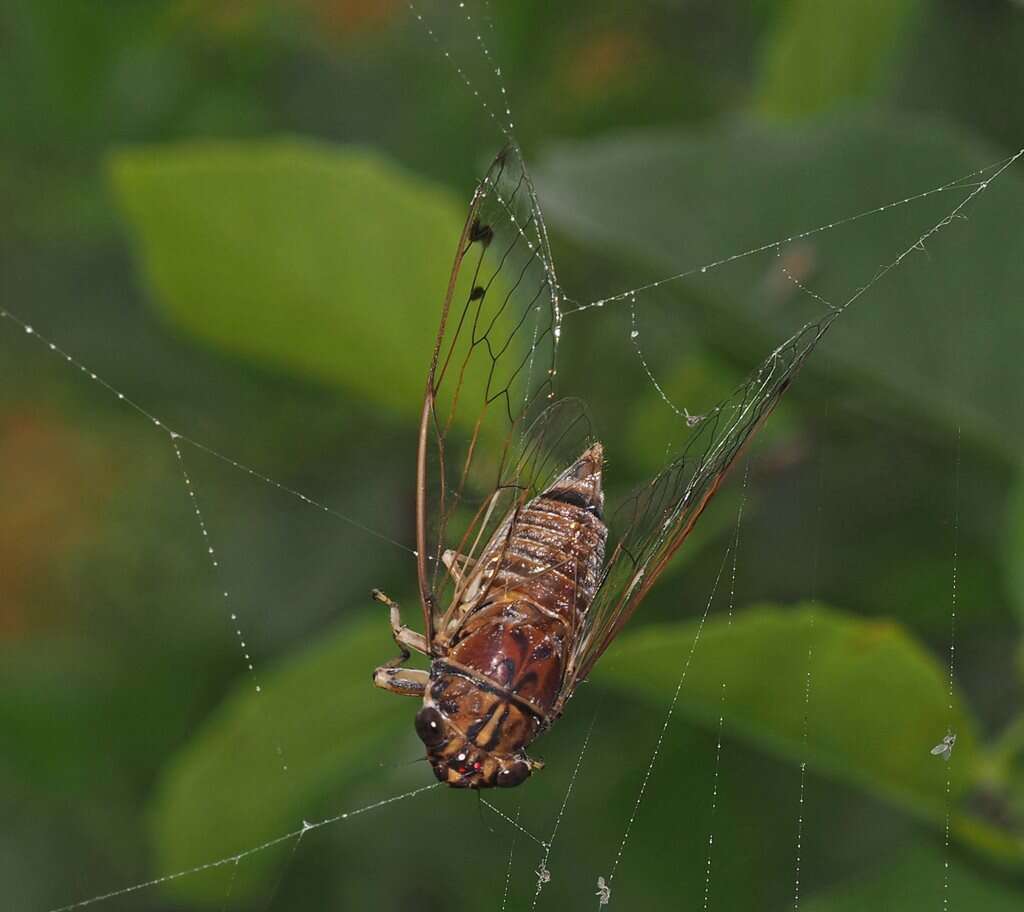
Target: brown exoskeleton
pixel 495 681
pixel 516 615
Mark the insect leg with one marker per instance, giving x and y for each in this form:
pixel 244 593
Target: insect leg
pixel 409 681
pixel 405 638
pixel 457 564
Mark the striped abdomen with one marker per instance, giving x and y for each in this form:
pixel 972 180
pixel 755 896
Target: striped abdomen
pixel 501 662
pixel 541 590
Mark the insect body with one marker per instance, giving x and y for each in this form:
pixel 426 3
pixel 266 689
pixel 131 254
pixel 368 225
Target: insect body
pixel 519 597
pixel 496 677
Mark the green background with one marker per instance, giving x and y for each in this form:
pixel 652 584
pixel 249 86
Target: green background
pixel 241 216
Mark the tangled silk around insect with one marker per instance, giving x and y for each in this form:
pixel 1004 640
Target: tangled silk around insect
pixel 523 580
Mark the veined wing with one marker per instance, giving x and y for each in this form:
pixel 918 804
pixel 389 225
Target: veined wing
pixel 652 524
pixel 490 431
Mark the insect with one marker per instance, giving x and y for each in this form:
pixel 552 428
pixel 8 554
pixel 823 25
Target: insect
pixel 944 748
pixel 604 892
pixel 521 586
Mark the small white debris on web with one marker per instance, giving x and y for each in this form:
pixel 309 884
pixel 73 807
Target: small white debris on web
pixel 945 747
pixel 543 874
pixel 634 335
pixel 604 892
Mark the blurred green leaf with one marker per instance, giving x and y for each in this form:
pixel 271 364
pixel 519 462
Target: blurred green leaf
pixel 51 712
pixel 1014 555
pixel 667 203
pixel 817 56
pixel 265 759
pixel 330 263
pixel 914 881
pixel 878 701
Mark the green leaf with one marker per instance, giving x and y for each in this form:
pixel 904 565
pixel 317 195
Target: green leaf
pixel 266 759
pixel 668 202
pixel 1014 555
pixel 329 263
pixel 916 878
pixel 50 712
pixel 817 56
pixel 878 702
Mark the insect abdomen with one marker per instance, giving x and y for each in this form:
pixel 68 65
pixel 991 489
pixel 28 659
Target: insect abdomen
pixel 545 578
pixel 519 650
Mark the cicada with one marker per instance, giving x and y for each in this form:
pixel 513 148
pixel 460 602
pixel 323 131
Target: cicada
pixel 524 581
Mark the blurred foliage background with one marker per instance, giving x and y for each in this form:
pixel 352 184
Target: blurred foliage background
pixel 241 216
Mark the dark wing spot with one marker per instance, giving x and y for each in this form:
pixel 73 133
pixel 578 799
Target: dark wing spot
pixel 479 232
pixel 477 293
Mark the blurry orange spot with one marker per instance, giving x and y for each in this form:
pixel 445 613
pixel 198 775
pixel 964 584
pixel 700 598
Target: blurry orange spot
pixel 342 18
pixel 226 18
pixel 873 634
pixel 603 61
pixel 50 482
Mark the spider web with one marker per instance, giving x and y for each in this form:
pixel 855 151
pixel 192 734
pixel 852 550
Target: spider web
pixel 730 420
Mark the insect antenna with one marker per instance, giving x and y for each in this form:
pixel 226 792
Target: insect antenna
pixel 402 763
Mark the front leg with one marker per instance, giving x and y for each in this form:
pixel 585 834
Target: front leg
pixel 409 681
pixel 458 565
pixel 412 682
pixel 406 638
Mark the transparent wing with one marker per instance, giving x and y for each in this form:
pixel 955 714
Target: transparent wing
pixel 652 524
pixel 491 432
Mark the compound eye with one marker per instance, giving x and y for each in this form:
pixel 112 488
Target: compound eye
pixel 430 726
pixel 515 774
pixel 440 771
